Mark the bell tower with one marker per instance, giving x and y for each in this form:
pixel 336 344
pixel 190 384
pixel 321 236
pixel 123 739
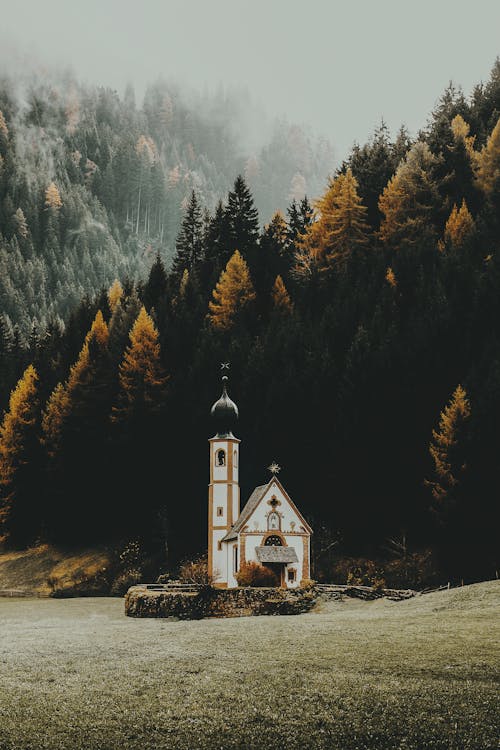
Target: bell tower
pixel 224 489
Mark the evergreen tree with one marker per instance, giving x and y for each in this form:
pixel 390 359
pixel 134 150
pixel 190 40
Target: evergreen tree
pixel 189 245
pixel 273 256
pixel 232 295
pixel 155 290
pixel 373 165
pixel 300 216
pixel 242 221
pixel 20 462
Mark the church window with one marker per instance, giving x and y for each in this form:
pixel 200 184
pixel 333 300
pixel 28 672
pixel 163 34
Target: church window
pixel 235 459
pixel 235 559
pixel 220 458
pixel 273 540
pixel 273 521
pixel 220 510
pixel 291 576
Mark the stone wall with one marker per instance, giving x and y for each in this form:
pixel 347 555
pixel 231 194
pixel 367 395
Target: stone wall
pixel 200 602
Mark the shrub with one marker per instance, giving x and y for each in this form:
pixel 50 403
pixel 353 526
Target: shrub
pixel 415 570
pixel 130 555
pixel 365 573
pixel 196 571
pixel 124 581
pixel 253 574
pixel 307 583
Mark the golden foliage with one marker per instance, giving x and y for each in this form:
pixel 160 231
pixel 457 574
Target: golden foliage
pixel 52 197
pixel 407 200
pixel 278 229
pixel 281 298
pixel 183 283
pixel 115 294
pixel 488 162
pixel 233 292
pixel 146 149
pixel 390 277
pixel 21 416
pixel 444 443
pixel 4 130
pixel 80 372
pixel 460 130
pixel 55 412
pixel 142 378
pixel 61 400
pixel 340 226
pixel 459 226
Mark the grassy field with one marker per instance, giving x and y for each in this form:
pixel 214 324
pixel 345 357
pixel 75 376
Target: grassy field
pixel 416 674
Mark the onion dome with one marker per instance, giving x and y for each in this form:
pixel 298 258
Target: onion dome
pixel 224 412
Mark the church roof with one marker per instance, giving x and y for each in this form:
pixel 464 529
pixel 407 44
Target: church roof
pixel 253 502
pixel 276 554
pixel 247 511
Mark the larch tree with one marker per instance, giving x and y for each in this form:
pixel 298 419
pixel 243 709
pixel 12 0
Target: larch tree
pixel 390 277
pixel 348 229
pixel 4 130
pixel 340 227
pixel 449 449
pixel 488 163
pixel 115 294
pixel 233 293
pixel 75 430
pixel 409 199
pixel 54 414
pixel 461 131
pixel 142 378
pixel 459 227
pixel 281 299
pixel 53 197
pixel 20 464
pixel 183 284
pixel 139 428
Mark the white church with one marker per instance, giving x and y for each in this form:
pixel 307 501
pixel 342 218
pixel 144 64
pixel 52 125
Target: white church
pixel 270 529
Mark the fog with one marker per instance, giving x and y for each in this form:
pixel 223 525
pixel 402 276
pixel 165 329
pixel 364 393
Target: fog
pixel 338 67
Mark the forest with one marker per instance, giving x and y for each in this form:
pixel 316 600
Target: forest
pixel 362 327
